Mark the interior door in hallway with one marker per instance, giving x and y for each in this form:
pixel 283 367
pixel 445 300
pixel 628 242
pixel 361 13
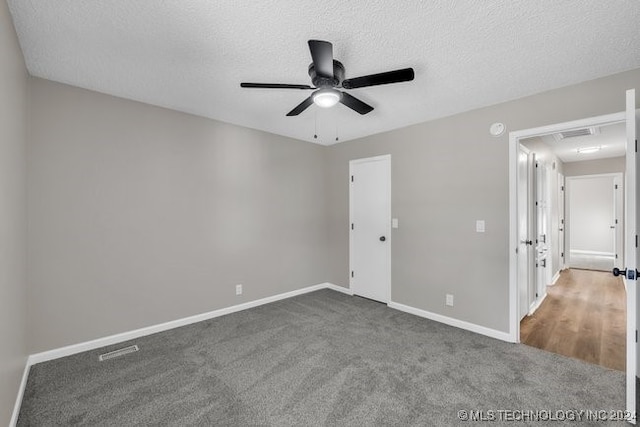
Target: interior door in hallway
pixel 370 227
pixel 591 215
pixel 525 247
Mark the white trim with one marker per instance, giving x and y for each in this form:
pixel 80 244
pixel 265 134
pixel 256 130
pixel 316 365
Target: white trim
pixel 594 175
pixel 555 278
pixel 596 253
pixel 514 137
pixel 21 389
pixel 536 304
pixel 342 289
pixel 493 333
pixel 137 333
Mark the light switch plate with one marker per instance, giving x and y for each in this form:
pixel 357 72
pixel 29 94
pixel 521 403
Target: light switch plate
pixel 480 226
pixel 449 300
pixel 394 222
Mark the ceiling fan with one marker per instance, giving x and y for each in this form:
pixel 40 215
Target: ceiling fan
pixel 327 74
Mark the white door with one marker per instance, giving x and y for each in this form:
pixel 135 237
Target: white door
pixel 591 208
pixel 525 245
pixel 370 228
pixel 631 253
pixel 560 222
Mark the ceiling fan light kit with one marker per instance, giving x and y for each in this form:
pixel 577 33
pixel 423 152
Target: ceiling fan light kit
pixel 326 98
pixel 327 74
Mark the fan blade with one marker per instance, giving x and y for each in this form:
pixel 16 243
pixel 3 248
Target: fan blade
pixel 274 86
pixel 322 55
pixel 301 107
pixel 396 76
pixel 355 104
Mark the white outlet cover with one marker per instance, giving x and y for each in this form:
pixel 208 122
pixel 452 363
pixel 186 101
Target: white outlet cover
pixel 480 226
pixel 394 222
pixel 238 289
pixel 449 300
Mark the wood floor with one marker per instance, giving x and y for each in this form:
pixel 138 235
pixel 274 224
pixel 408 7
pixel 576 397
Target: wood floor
pixel 583 316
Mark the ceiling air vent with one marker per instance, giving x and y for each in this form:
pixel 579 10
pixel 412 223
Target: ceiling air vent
pixel 573 133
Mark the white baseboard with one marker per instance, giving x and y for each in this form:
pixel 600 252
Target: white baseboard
pixel 18 404
pixel 493 333
pixel 555 278
pixel 594 253
pixel 137 333
pixel 536 304
pixel 342 289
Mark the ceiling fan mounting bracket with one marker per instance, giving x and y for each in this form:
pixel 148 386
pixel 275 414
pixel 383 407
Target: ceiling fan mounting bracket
pixel 324 82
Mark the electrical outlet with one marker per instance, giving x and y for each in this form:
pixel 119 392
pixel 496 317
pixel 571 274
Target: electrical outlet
pixel 449 300
pixel 238 289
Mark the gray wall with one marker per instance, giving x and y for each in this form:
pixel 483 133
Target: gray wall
pixel 13 116
pixel 594 167
pixel 446 174
pixel 140 215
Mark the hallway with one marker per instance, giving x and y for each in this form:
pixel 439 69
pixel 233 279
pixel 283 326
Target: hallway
pixel 583 316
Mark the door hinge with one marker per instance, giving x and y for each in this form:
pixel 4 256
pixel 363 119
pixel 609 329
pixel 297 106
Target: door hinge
pixel 352 226
pixel 562 188
pixel 536 164
pixel 352 275
pixel 636 335
pixel 536 295
pixel 516 250
pixel 636 240
pixel 562 255
pixel 536 203
pixel 616 256
pixel 636 145
pixel 615 186
pixel 351 178
pixel 562 221
pixel 616 221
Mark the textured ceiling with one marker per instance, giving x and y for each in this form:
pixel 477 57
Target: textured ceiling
pixel 191 55
pixel 611 139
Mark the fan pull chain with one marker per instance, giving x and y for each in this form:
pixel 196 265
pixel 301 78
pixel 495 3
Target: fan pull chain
pixel 315 129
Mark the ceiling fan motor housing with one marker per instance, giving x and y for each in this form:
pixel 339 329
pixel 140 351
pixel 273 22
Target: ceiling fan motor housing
pixel 327 81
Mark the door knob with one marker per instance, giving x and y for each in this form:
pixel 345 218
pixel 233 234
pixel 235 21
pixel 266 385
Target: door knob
pixel 629 274
pixel 382 238
pixel 526 242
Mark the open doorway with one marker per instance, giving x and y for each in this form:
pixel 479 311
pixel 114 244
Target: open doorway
pixel 570 192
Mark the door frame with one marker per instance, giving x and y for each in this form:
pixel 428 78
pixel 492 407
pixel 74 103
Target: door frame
pixel 561 196
pixel 514 140
pixel 529 198
pixel 386 158
pixel 615 213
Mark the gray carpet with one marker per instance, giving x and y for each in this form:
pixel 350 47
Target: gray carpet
pixel 322 358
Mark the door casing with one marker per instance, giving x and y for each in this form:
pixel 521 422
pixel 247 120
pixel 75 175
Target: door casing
pixel 514 141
